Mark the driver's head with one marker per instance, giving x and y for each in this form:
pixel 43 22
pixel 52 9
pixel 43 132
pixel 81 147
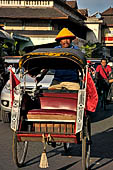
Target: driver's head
pixel 103 62
pixel 65 38
pixel 65 43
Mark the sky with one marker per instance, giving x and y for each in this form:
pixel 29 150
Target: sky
pixel 95 5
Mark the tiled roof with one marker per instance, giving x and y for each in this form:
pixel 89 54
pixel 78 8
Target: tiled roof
pixel 109 11
pixel 83 12
pixel 31 13
pixel 33 32
pixel 107 16
pixel 72 4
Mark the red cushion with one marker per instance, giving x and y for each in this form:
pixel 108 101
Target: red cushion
pixel 64 103
pixel 51 112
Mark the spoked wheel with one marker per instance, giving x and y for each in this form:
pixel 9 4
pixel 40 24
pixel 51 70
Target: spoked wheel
pixel 86 142
pixel 19 151
pixel 66 147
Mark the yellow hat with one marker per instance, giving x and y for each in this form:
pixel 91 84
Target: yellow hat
pixel 65 33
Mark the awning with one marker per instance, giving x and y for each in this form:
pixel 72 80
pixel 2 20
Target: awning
pixel 20 37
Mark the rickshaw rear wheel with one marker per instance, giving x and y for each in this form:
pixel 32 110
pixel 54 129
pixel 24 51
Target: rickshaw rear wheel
pixel 19 150
pixel 86 143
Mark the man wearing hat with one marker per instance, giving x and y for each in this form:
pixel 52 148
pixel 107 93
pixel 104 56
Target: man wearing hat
pixel 64 78
pixel 65 38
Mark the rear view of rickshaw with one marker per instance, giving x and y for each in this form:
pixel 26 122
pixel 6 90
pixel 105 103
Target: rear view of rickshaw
pixel 55 114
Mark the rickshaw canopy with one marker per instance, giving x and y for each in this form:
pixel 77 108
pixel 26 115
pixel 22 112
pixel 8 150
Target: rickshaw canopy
pixel 53 58
pixel 52 116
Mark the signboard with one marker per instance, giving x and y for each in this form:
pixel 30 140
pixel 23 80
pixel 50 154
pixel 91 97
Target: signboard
pixel 108 35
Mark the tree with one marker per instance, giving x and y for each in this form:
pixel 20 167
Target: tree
pixel 93 50
pixel 88 49
pixel 98 51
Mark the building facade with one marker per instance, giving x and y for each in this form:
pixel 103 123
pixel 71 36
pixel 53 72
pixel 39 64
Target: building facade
pixel 95 25
pixel 99 32
pixel 35 22
pixel 107 29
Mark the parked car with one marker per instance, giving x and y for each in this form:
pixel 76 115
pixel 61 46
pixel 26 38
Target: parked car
pixel 30 85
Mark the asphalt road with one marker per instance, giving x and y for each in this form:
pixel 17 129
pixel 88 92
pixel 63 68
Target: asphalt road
pixel 101 148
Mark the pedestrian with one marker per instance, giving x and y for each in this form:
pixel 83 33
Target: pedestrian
pixel 102 77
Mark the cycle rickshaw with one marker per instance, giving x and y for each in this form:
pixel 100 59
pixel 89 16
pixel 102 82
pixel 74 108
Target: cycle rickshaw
pixel 51 115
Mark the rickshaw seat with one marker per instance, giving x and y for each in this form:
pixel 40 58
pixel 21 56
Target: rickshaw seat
pixel 55 106
pixel 52 114
pixel 66 101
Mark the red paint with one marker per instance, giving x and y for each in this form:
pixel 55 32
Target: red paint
pixel 19 135
pixel 67 101
pixel 108 38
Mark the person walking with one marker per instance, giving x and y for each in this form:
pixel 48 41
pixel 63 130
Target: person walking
pixel 102 78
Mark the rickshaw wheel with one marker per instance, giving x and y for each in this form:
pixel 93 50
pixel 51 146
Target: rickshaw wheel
pixel 19 151
pixel 86 142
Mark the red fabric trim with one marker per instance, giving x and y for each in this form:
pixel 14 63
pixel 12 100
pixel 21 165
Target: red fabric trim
pixel 51 112
pixel 13 83
pixel 91 94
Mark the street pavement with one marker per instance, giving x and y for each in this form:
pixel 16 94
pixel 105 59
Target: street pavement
pixel 101 148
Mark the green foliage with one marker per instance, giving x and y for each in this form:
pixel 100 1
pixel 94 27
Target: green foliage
pixel 6 48
pixel 98 52
pixel 92 50
pixel 88 49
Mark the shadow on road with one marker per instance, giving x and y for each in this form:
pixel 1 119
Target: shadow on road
pixel 75 150
pixel 102 148
pixel 68 166
pixel 101 114
pixel 50 154
pixel 103 144
pixel 102 163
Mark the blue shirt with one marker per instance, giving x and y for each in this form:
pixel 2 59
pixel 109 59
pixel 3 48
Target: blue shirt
pixel 69 75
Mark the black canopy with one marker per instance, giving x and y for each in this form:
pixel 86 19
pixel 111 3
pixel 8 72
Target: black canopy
pixel 53 58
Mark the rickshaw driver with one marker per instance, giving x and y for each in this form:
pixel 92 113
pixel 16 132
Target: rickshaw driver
pixel 65 38
pixel 68 79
